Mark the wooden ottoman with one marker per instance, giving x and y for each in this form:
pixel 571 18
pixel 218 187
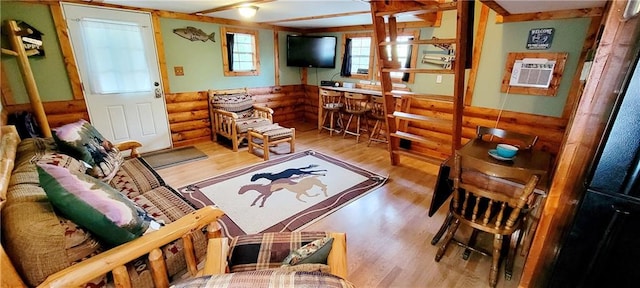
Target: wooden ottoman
pixel 270 135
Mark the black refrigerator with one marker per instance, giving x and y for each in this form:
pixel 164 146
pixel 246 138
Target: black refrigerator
pixel 602 247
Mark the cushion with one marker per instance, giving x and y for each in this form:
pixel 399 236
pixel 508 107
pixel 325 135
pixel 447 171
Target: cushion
pixel 82 141
pixel 94 205
pixel 240 103
pixel 315 252
pixel 243 125
pixel 266 250
pixel 135 177
pixel 266 278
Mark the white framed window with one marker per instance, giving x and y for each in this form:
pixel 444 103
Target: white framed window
pixel 403 54
pixel 240 55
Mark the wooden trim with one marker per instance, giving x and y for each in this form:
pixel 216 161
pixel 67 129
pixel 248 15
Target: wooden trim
pixel 495 7
pixel 579 146
pixel 559 57
pixel 232 6
pixel 401 25
pixel 7 94
pixel 576 84
pixel 67 52
pixel 276 58
pixel 162 58
pixel 369 75
pixel 462 30
pixel 551 15
pixel 477 52
pixel 222 21
pixel 317 17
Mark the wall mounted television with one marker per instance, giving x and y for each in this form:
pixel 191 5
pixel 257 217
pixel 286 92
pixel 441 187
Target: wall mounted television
pixel 311 51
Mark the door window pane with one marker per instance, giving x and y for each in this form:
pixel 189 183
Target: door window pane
pixel 116 57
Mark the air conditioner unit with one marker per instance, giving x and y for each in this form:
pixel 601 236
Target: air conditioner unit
pixel 532 72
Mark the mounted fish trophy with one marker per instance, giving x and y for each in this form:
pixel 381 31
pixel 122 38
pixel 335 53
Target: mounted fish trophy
pixel 194 34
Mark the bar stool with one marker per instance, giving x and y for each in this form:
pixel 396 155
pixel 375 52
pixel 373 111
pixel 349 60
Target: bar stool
pixel 356 105
pixel 377 113
pixel 332 105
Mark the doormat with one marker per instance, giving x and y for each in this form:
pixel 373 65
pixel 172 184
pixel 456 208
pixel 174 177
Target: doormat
pixel 172 157
pixel 283 194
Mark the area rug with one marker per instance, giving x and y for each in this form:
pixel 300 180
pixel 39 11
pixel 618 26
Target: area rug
pixel 172 157
pixel 284 194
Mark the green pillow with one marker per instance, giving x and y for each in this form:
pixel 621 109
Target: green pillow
pixel 94 205
pixel 315 252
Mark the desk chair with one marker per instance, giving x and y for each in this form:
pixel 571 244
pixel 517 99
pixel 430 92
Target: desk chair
pixel 377 113
pixel 483 200
pixel 332 106
pixel 356 105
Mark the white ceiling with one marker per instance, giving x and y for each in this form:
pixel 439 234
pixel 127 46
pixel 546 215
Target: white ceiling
pixel 282 12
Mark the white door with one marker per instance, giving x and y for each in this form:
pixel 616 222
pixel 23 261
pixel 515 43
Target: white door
pixel 116 55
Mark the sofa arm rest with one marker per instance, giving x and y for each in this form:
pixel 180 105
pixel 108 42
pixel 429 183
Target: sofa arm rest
pixel 114 259
pixel 337 259
pixel 130 145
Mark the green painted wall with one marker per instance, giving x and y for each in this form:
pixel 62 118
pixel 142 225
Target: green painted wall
pixel 49 71
pixel 500 39
pixel 202 61
pixel 512 37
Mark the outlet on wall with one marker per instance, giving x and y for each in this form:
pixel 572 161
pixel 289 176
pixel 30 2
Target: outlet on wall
pixel 439 79
pixel 178 70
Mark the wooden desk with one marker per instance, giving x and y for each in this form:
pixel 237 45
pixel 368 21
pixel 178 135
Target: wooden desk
pixel 532 160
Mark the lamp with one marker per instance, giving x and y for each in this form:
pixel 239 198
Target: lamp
pixel 247 11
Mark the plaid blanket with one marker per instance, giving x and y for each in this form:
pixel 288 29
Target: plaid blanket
pixel 266 278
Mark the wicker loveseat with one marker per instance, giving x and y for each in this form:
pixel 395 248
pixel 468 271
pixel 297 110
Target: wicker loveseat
pixel 41 247
pixel 233 113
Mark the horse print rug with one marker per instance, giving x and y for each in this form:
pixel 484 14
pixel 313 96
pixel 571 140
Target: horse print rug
pixel 283 194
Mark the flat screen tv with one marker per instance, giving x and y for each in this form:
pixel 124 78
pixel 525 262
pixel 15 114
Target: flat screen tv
pixel 311 51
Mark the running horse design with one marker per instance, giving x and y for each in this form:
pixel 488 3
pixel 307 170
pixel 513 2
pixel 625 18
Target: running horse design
pixel 288 173
pixel 300 188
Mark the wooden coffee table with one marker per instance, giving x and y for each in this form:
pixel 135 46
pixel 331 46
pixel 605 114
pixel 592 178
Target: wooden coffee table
pixel 270 135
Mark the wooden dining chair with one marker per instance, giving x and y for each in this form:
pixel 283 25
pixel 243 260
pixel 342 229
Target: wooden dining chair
pixel 332 106
pixel 377 113
pixel 356 105
pixel 488 197
pixel 523 141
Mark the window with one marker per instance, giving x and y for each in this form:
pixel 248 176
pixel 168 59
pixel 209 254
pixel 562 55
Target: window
pixel 115 66
pixel 406 56
pixel 361 53
pixel 240 52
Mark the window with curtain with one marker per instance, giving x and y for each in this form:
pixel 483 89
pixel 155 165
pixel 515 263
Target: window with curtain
pixel 117 62
pixel 240 52
pixel 404 54
pixel 360 53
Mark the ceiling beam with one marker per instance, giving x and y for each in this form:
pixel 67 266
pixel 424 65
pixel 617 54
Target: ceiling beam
pixel 231 6
pixel 496 7
pixel 551 15
pixel 318 17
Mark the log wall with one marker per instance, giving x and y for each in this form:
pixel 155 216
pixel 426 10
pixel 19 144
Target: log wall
pixel 550 130
pixel 188 112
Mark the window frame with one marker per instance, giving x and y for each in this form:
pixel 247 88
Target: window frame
pixel 256 53
pixel 372 54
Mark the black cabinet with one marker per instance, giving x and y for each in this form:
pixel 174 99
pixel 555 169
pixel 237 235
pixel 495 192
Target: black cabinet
pixel 603 246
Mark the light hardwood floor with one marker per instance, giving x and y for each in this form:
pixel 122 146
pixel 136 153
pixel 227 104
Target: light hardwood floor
pixel 388 230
